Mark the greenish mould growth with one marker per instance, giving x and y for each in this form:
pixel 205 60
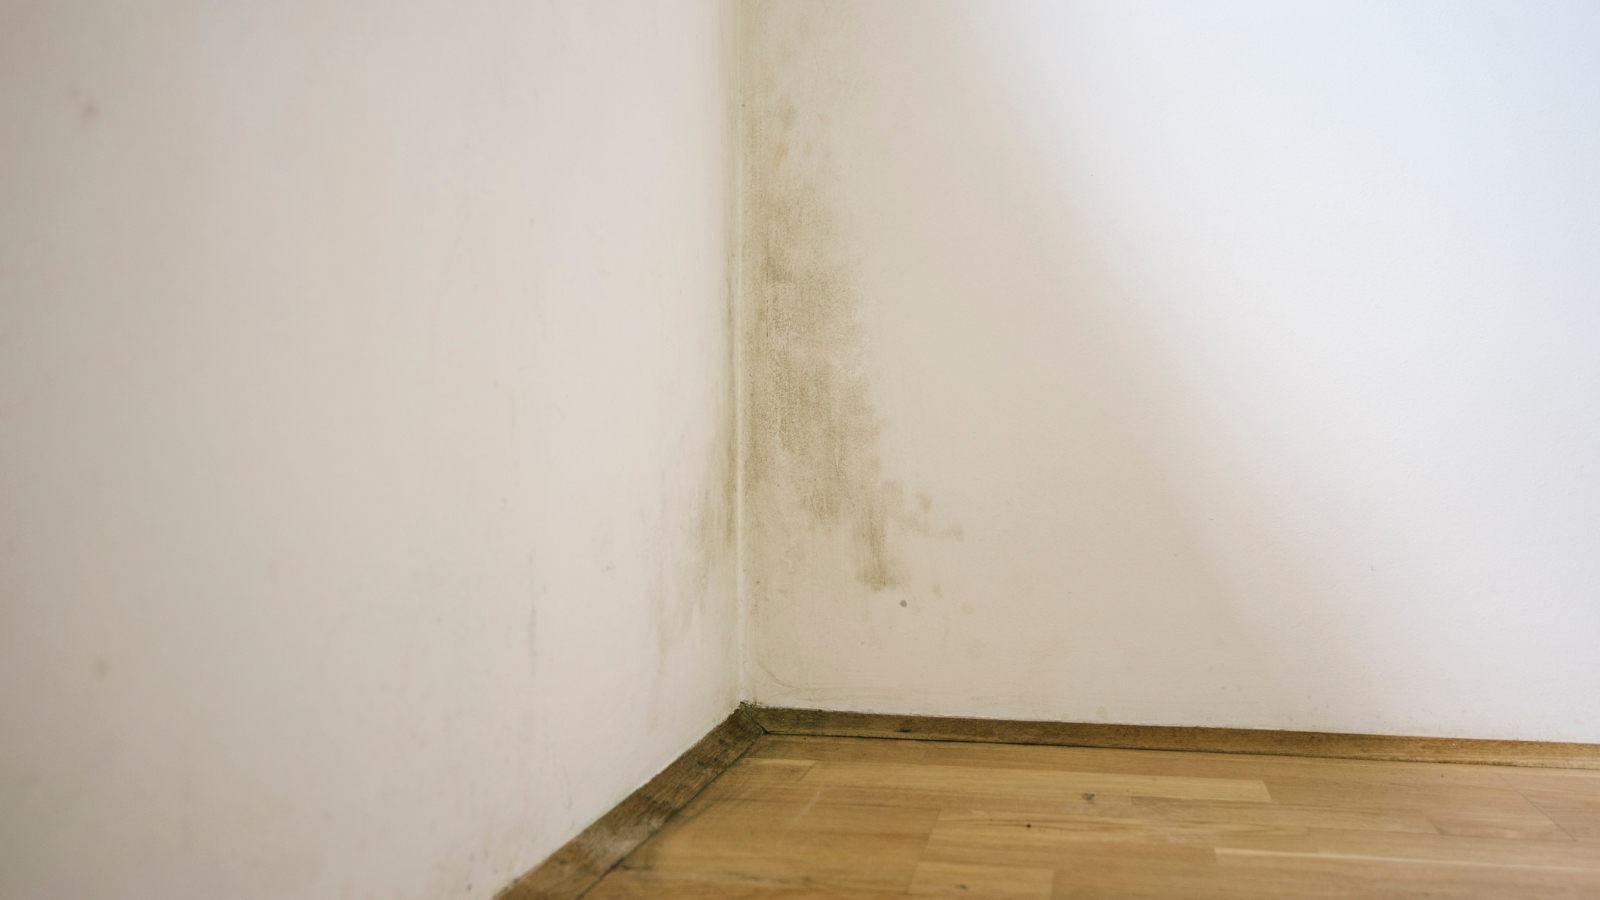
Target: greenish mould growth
pixel 810 431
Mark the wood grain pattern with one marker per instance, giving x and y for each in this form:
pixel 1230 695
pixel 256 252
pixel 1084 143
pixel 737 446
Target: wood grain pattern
pixel 579 865
pixel 1007 882
pixel 1049 785
pixel 806 818
pixel 825 806
pixel 1157 737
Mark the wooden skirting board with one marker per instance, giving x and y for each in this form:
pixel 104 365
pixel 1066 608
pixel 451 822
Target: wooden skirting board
pixel 1539 754
pixel 588 857
pixel 576 867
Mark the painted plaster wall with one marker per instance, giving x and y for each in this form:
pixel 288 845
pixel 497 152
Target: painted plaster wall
pixel 365 463
pixel 1226 363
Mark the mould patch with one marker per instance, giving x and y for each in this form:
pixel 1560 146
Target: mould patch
pixel 810 431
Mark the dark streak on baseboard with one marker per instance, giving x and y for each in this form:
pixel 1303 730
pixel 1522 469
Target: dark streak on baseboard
pixel 579 865
pixel 1539 754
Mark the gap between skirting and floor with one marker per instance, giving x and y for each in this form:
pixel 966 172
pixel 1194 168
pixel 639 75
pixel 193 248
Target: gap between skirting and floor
pixel 584 860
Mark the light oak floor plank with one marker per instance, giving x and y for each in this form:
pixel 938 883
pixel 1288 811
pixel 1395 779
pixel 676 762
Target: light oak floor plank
pixel 1008 882
pixel 802 818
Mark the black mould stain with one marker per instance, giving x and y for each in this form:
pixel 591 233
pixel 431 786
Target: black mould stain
pixel 810 431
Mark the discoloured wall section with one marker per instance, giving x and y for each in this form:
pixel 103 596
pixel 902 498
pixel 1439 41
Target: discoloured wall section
pixel 810 430
pixel 829 538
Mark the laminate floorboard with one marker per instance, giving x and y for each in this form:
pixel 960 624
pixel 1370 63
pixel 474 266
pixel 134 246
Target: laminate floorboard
pixel 806 818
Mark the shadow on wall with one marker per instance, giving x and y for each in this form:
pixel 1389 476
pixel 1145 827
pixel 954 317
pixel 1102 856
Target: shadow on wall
pixel 915 276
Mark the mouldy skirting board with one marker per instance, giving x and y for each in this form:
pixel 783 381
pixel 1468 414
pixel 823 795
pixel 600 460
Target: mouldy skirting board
pixel 586 859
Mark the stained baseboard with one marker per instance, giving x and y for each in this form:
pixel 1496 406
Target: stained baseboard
pixel 579 865
pixel 1540 754
pixel 585 859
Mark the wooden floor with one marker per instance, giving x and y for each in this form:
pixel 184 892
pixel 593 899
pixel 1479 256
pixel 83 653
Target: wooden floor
pixel 799 818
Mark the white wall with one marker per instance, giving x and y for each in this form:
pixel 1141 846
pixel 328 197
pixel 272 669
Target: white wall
pixel 364 464
pixel 365 492
pixel 1242 356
